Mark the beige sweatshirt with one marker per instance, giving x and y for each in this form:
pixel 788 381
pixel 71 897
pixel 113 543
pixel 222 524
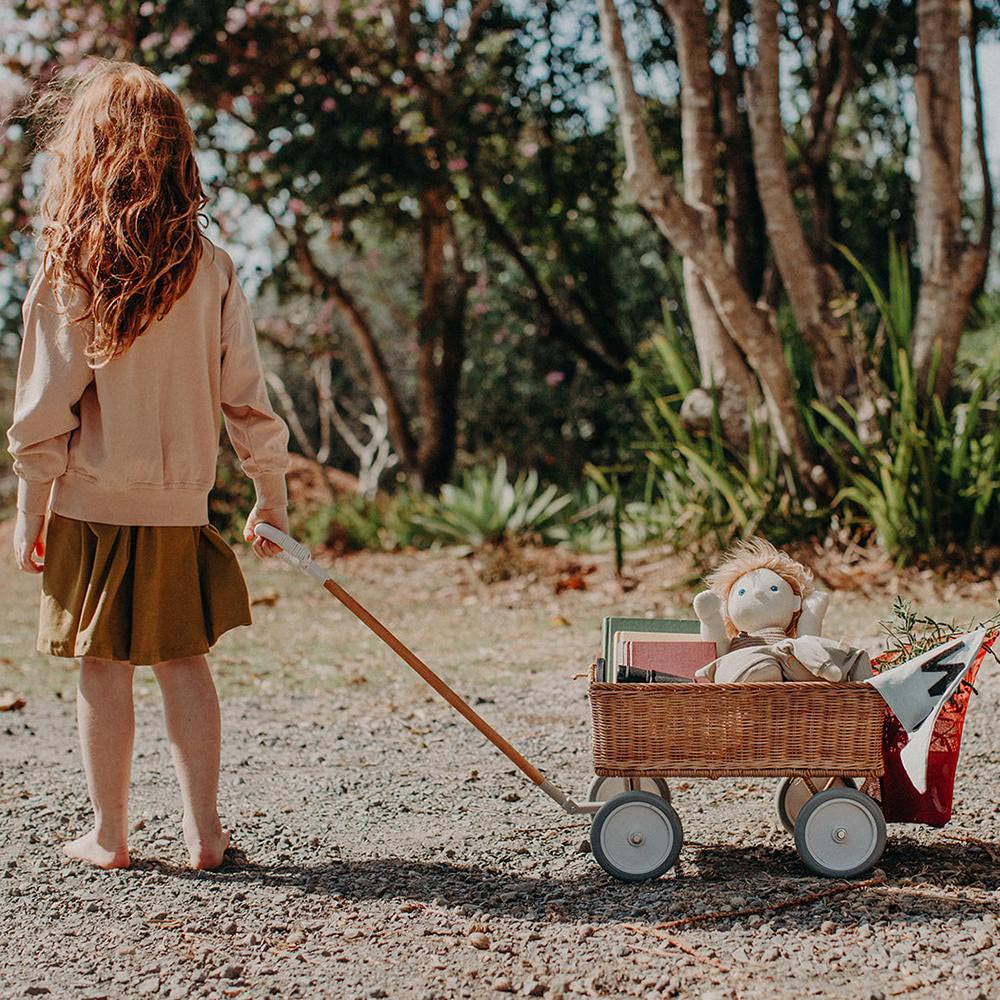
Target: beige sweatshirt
pixel 136 441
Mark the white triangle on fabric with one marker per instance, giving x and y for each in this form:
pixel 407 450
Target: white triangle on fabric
pixel 918 689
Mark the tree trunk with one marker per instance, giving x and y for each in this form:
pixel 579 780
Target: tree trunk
pixel 809 285
pixel 744 218
pixel 834 72
pixel 951 268
pixel 330 285
pixel 694 236
pixel 441 329
pixel 723 370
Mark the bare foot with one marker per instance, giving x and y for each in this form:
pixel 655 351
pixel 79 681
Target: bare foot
pixel 206 852
pixel 87 848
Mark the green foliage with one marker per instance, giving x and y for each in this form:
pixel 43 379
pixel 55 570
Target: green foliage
pixel 911 633
pixel 232 499
pixel 486 507
pixel 926 477
pixel 697 487
pixel 355 523
pixel 924 474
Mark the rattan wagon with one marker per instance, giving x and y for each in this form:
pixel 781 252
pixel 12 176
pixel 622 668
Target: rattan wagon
pixel 823 741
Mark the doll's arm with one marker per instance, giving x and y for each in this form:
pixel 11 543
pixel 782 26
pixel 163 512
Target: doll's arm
pixel 708 608
pixel 814 607
pixel 708 671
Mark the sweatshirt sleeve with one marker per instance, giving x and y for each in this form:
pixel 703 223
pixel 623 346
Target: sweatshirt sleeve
pixel 52 375
pixel 258 435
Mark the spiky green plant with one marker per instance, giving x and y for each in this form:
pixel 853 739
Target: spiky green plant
pixel 926 477
pixel 486 507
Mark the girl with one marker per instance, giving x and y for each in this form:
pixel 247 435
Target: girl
pixel 136 335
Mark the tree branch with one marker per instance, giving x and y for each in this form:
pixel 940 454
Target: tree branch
pixel 330 285
pixel 694 236
pixel 989 210
pixel 807 285
pixel 558 327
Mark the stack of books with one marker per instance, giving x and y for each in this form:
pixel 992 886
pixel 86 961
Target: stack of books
pixel 652 649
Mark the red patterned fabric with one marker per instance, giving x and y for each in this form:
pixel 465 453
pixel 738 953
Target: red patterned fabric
pixel 901 802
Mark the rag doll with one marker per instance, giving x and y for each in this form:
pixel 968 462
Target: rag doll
pixel 765 620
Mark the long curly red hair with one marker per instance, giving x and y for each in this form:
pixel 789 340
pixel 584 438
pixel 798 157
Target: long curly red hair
pixel 120 202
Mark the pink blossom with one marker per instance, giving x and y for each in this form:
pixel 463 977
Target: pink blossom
pixel 555 378
pixel 528 149
pixel 236 18
pixel 483 108
pixel 180 38
pixel 329 104
pixel 296 205
pixel 458 163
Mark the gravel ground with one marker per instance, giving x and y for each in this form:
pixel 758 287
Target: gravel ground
pixel 391 852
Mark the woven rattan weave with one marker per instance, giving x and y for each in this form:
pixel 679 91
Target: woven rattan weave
pixel 715 730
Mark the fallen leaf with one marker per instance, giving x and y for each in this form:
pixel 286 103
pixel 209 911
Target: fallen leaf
pixel 10 702
pixel 266 597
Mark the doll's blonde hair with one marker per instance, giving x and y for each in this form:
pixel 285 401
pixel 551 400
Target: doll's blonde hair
pixel 754 554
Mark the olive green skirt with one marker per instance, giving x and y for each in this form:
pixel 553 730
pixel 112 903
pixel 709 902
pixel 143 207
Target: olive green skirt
pixel 141 594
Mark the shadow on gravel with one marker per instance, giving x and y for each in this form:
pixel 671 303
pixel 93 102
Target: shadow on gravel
pixel 923 882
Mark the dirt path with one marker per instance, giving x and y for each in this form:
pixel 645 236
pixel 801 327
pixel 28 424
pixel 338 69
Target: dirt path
pixel 392 852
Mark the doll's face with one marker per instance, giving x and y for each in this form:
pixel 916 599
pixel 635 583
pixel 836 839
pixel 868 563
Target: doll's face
pixel 762 599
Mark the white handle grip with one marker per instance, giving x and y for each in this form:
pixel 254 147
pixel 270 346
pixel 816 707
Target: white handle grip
pixel 292 552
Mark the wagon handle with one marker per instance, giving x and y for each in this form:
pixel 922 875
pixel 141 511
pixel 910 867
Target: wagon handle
pixel 296 554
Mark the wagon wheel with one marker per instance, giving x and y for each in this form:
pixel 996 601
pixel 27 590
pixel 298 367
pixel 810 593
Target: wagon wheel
pixel 793 793
pixel 602 789
pixel 840 833
pixel 636 836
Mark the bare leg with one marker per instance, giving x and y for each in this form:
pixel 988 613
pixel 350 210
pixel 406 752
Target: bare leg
pixel 107 727
pixel 191 712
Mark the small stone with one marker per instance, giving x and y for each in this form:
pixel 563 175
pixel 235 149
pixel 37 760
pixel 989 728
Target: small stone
pixel 480 941
pixel 583 847
pixel 148 986
pixel 534 988
pixel 230 928
pixel 409 907
pixel 36 991
pixel 232 972
pixel 503 985
pixel 827 927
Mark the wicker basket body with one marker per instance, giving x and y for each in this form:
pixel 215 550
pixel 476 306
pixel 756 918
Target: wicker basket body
pixel 715 730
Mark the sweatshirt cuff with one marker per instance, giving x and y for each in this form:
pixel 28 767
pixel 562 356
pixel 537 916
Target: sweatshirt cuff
pixel 32 497
pixel 272 492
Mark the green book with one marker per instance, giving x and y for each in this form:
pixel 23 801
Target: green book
pixel 611 625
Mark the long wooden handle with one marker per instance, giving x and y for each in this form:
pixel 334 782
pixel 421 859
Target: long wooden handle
pixel 449 695
pixel 297 555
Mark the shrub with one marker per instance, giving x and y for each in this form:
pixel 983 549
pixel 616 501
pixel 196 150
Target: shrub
pixel 486 507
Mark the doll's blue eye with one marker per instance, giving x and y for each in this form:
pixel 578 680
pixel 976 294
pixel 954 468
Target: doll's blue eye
pixel 774 588
pixel 741 591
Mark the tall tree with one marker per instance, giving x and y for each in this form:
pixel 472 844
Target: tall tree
pixel 951 265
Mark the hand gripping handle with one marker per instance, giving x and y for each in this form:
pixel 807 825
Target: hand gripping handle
pixel 292 552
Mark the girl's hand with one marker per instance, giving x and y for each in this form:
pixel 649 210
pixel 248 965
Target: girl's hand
pixel 28 541
pixel 261 546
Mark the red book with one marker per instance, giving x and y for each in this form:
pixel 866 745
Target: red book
pixel 679 658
